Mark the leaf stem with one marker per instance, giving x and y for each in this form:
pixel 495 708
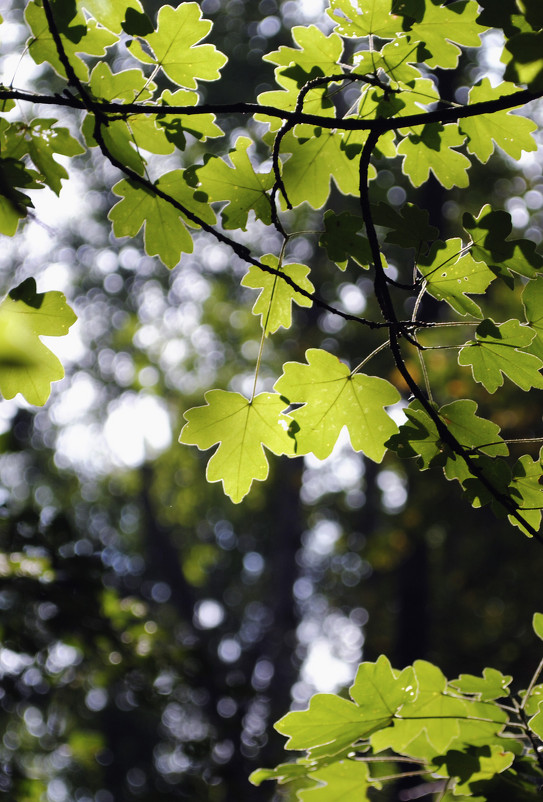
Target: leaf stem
pixel 533 681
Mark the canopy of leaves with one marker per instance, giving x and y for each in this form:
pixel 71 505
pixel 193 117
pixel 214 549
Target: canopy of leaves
pixel 355 137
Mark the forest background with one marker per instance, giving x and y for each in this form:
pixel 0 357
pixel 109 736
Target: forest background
pixel 152 632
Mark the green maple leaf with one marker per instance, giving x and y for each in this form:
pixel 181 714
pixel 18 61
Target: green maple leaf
pixel 126 86
pixel 41 139
pixel 471 431
pixel 330 724
pixel 410 225
pixel 78 35
pixel 380 690
pixel 176 49
pixel 342 240
pixel 527 491
pixel 242 428
pixel 166 235
pixel 431 712
pixel 532 299
pixel 110 13
pixel 274 304
pixel 201 126
pixel 318 154
pixel 431 150
pixel 498 350
pixel 283 773
pixel 524 58
pixel 441 29
pixel 537 624
pixel 450 274
pixel 489 232
pixel 241 186
pixel 511 132
pixel 492 685
pixel 332 398
pixel 396 59
pixel 503 15
pixel 317 54
pixel 419 436
pixel 372 18
pixel 342 780
pixel 27 366
pixel 13 202
pixel 316 101
pixel 470 769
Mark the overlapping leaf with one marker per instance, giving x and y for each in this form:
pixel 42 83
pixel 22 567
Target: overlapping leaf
pixel 242 428
pixel 410 226
pixel 432 150
pixel 331 724
pixel 166 234
pixel 380 691
pixel 342 239
pixel 497 351
pixel 342 780
pixel 110 13
pixel 274 303
pixel 78 35
pixel 318 154
pixel 527 491
pixel 13 202
pixel 316 54
pixel 532 298
pixel 442 29
pixel 451 274
pixel 41 140
pixel 492 685
pixel 524 59
pixel 241 186
pixel 201 126
pixel 27 366
pixel 372 18
pixel 513 133
pixel 471 769
pixel 332 398
pixel 489 233
pixel 176 49
pixel 420 437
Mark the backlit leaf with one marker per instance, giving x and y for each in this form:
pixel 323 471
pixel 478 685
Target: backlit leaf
pixel 176 49
pixel 242 428
pixel 332 398
pixel 342 239
pixel 78 36
pixel 27 366
pixel 452 274
pixel 110 13
pixel 166 234
pixel 316 54
pixel 497 351
pixel 511 132
pixel 241 186
pixel 381 691
pixel 432 150
pixel 330 722
pixel 489 232
pixel 315 159
pixel 344 780
pixel 492 685
pixel 532 298
pixel 443 28
pixel 372 17
pixel 274 303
